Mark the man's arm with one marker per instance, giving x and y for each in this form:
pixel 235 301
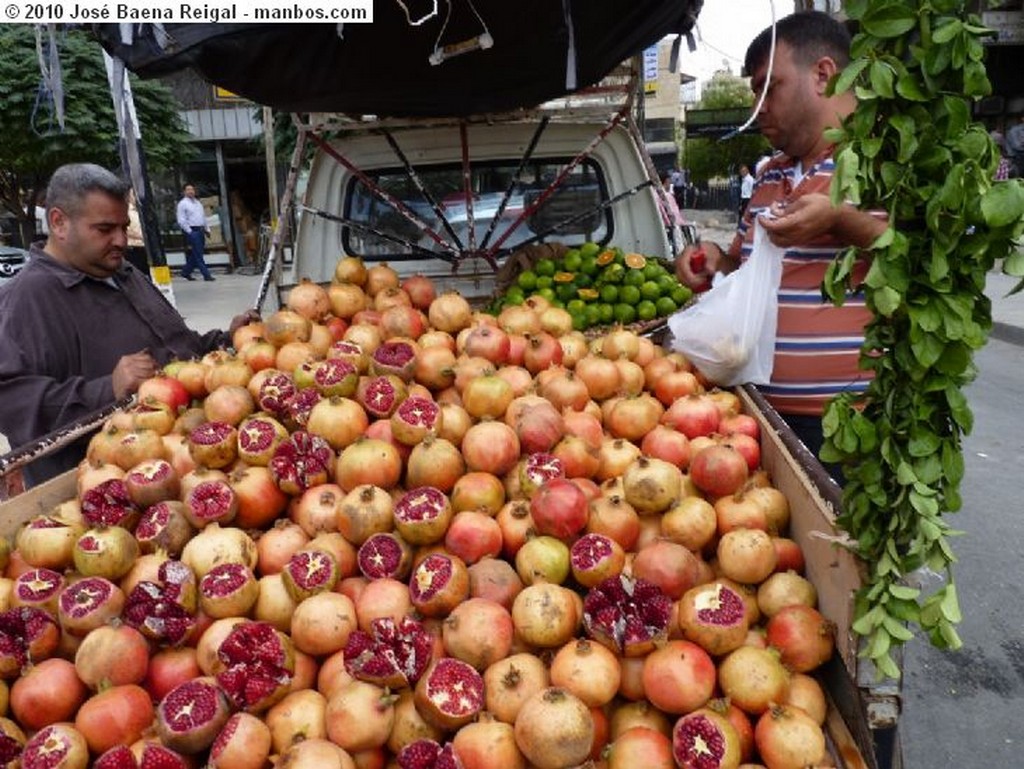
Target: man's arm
pixel 180 210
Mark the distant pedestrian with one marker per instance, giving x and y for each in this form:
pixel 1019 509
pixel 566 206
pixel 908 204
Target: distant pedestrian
pixel 670 214
pixel 746 189
pixel 678 181
pixel 192 221
pixel 1015 147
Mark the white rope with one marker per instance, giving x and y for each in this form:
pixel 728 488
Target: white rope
pixel 418 22
pixel 764 88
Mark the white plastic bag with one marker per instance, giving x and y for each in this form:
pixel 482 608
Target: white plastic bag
pixel 729 334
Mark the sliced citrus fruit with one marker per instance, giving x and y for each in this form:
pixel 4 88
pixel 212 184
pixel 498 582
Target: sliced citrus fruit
pixel 636 261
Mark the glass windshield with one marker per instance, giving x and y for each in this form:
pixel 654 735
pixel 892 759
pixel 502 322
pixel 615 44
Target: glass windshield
pixel 570 214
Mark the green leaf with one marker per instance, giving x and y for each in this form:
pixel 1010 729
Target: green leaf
pixel 849 75
pixel 889 20
pixel 947 31
pixel 887 300
pixel 1002 204
pixel 950 604
pixel 881 76
pixel 904 592
pixel 909 87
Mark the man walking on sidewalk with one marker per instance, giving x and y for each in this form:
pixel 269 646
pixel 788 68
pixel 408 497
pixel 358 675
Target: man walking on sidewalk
pixel 192 220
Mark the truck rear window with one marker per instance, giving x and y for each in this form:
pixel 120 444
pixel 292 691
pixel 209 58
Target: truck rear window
pixel 570 214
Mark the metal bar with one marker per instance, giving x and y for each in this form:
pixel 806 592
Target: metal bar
pixel 391 200
pixel 283 218
pixel 59 438
pixel 378 233
pixel 676 237
pixel 515 180
pixel 546 193
pixel 417 181
pixel 467 185
pixel 596 209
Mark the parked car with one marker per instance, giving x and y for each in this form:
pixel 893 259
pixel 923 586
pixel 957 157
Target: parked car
pixel 11 261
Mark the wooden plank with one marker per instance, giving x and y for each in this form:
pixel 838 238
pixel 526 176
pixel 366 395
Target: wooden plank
pixel 41 499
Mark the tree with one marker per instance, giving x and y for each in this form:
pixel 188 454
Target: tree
pixel 707 158
pixel 34 145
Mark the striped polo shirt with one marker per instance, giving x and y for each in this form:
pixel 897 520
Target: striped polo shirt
pixel 817 346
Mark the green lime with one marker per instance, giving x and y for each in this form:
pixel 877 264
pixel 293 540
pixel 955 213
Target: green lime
pixel 579 321
pixel 572 260
pixel 629 295
pixel 514 295
pixel 633 278
pixel 653 270
pixel 576 306
pixel 593 315
pixel 620 256
pixel 667 284
pixel 646 310
pixel 548 293
pixel 624 313
pixel 665 306
pixel 527 280
pixel 681 295
pixel 544 267
pixel 545 281
pixel 649 290
pixel 588 265
pixel 613 273
pixel 583 280
pixel 606 312
pixel 556 302
pixel 610 294
pixel 565 291
pixel 590 248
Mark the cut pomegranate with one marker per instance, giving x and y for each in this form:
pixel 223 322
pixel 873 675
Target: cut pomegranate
pixel 596 557
pixel 392 655
pixel 427 754
pixel 450 694
pixel 190 716
pixel 60 746
pixel 88 604
pixel 335 377
pixel 105 552
pixel 109 504
pixel 257 665
pixel 704 739
pixel 380 395
pixel 302 461
pixel 276 393
pixel 309 572
pixel 39 588
pixel 163 526
pixel 164 612
pixel 438 584
pixel 228 590
pixel 211 502
pixel 627 615
pixel 258 438
pixel 152 481
pixel 714 617
pixel 422 515
pixel 213 444
pixel 384 555
pixel 299 406
pixel 539 468
pixel 27 635
pixel 396 358
pixel 117 757
pixel 414 419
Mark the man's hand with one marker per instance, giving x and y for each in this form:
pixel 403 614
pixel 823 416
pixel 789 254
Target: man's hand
pixel 697 264
pixel 131 371
pixel 247 317
pixel 809 217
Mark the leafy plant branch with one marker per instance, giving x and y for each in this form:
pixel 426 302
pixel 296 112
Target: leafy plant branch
pixel 913 149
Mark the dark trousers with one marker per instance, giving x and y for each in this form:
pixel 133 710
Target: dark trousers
pixel 809 430
pixel 195 242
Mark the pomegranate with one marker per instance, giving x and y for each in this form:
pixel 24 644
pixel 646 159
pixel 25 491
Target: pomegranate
pixel 640 746
pixel 559 508
pixel 117 715
pixel 746 555
pixel 46 693
pixel 627 615
pixel 753 678
pixel 784 589
pixel 588 670
pixel 719 470
pixel 59 745
pixel 545 615
pixel 704 739
pixel 714 617
pixel 360 716
pixel 678 677
pixel 449 312
pixel 243 743
pixel 191 715
pixel 788 737
pixel 804 638
pixel 323 623
pixel 554 729
pixel 479 632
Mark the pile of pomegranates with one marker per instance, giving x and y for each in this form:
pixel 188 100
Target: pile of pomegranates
pixel 388 531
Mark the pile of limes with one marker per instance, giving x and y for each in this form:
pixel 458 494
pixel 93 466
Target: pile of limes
pixel 601 286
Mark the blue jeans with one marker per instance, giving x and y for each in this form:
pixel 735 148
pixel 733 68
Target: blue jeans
pixel 195 242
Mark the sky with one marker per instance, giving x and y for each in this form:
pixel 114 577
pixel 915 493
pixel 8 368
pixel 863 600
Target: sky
pixel 724 29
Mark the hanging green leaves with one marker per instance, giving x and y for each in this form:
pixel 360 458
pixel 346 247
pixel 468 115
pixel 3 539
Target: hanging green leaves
pixel 913 149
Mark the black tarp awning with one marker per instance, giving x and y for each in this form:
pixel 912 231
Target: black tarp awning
pixel 382 68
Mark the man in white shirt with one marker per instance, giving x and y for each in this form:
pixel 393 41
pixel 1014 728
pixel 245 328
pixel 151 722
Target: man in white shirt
pixel 746 189
pixel 192 220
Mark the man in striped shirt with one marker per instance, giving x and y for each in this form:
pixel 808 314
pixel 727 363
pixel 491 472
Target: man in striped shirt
pixel 817 346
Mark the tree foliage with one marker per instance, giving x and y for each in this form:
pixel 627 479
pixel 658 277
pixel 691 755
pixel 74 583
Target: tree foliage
pixel 34 145
pixel 913 149
pixel 707 158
